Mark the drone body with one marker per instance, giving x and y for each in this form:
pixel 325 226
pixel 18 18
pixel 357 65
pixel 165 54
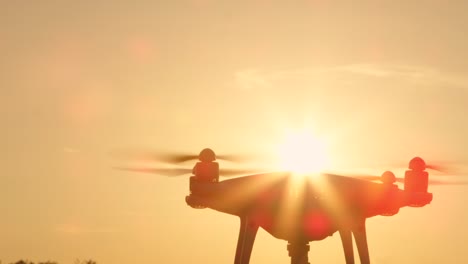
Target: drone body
pixel 300 208
pixel 299 212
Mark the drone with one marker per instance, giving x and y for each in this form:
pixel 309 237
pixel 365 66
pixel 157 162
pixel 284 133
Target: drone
pixel 323 204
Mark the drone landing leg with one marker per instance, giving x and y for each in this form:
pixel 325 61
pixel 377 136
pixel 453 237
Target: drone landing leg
pixel 347 241
pixel 361 242
pixel 247 233
pixel 298 251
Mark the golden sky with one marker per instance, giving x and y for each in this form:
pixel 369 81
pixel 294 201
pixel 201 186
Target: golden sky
pixel 382 81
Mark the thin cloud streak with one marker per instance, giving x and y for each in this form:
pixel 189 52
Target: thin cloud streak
pixel 256 79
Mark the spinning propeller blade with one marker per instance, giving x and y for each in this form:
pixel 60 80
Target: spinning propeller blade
pixel 360 176
pixel 174 158
pixel 438 182
pixel 368 177
pixel 150 156
pixel 443 167
pixel 234 172
pixel 402 180
pixel 171 172
pixel 179 158
pixel 153 156
pixel 447 168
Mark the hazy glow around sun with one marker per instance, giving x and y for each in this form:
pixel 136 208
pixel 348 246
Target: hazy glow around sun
pixel 303 152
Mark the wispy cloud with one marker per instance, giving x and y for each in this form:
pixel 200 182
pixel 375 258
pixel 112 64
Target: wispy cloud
pixel 383 70
pixel 407 72
pixel 256 79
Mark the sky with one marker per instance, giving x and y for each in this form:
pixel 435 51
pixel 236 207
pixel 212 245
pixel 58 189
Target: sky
pixel 380 81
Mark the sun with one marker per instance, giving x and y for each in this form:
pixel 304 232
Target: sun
pixel 303 152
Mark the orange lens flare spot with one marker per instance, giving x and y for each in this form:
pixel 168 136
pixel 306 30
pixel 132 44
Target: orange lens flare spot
pixel 317 224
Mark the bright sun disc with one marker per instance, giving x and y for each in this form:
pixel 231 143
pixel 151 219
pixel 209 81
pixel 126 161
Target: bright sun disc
pixel 303 152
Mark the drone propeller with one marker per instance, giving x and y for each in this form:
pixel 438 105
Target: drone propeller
pixel 236 172
pixel 153 156
pixel 442 167
pixel 401 180
pixel 173 172
pixel 446 169
pixel 438 182
pixel 179 158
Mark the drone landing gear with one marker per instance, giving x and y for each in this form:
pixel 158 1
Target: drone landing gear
pixel 361 242
pixel 347 241
pixel 298 251
pixel 360 236
pixel 247 233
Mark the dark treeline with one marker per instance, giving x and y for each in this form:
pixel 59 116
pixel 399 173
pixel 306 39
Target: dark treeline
pixel 52 262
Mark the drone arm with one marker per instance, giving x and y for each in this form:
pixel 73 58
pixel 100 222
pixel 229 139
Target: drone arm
pixel 247 233
pixel 347 241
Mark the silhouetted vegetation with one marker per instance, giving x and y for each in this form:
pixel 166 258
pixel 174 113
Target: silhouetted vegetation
pixel 30 262
pixel 52 262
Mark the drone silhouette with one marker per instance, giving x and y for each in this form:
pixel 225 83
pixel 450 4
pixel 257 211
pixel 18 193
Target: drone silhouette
pixel 322 205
